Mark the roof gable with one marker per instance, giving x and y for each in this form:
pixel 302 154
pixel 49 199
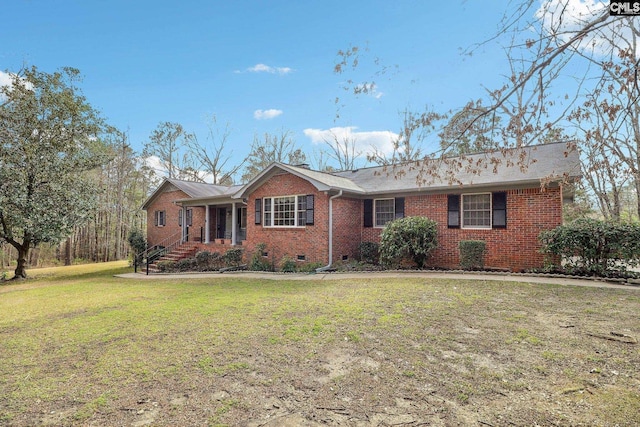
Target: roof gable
pixel 322 181
pixel 194 190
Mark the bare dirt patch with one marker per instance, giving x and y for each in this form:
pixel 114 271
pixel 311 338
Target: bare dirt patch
pixel 404 352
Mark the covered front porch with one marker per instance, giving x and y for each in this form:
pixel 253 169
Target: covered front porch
pixel 219 222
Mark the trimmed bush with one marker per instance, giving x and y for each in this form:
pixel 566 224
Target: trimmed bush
pixel 369 252
pixel 309 267
pixel 206 260
pixel 187 264
pixel 258 262
pixel 472 254
pixel 288 265
pixel 411 238
pixel 233 257
pixel 593 246
pixel 166 266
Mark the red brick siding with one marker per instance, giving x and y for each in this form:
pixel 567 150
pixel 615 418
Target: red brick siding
pixel 196 230
pixel 529 211
pixel 165 202
pixel 347 222
pixel 310 241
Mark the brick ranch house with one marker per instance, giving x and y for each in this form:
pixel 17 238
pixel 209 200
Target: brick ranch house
pixel 313 216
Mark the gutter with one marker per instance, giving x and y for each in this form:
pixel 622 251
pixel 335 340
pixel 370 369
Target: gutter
pixel 328 266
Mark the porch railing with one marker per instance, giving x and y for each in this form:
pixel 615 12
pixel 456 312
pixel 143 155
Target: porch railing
pixel 156 251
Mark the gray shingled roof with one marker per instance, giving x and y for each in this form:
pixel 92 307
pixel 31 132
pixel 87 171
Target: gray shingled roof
pixel 195 190
pixel 542 162
pixel 321 180
pixel 198 190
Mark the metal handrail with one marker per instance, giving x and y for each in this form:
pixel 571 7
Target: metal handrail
pixel 165 246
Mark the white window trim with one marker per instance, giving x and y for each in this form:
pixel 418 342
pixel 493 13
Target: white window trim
pixel 475 227
pixel 272 204
pixel 163 214
pixel 375 219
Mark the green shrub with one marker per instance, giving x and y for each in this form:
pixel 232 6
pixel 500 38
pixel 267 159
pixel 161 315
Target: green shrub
pixel 369 252
pixel 258 262
pixel 207 261
pixel 309 267
pixel 593 246
pixel 472 254
pixel 288 265
pixel 166 266
pixel 137 242
pixel 411 238
pixel 186 264
pixel 233 257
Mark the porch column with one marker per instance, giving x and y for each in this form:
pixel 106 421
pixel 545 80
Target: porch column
pixel 234 223
pixel 206 225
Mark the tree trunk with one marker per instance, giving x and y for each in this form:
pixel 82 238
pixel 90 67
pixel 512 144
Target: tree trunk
pixel 21 267
pixel 637 179
pixel 67 252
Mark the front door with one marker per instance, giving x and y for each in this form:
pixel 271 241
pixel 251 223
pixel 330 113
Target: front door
pixel 221 223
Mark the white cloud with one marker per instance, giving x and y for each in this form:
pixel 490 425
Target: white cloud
pixel 262 68
pixel 5 79
pixel 365 142
pixel 154 163
pixel 564 18
pixel 266 114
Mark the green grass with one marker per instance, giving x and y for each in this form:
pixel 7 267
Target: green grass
pixel 78 341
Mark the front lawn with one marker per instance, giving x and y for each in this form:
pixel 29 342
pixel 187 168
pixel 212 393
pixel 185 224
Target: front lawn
pixel 85 348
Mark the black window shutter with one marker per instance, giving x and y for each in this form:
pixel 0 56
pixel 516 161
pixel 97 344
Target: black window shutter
pixel 368 213
pixel 309 218
pixel 258 213
pixel 399 208
pixel 180 217
pixel 499 205
pixel 453 211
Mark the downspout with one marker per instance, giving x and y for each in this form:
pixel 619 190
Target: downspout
pixel 328 266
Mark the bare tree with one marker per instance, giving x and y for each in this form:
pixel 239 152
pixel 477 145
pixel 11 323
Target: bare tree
pixel 269 149
pixel 409 145
pixel 343 150
pixel 168 142
pixel 321 161
pixel 213 157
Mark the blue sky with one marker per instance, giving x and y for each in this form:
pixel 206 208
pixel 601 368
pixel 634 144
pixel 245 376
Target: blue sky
pixel 146 62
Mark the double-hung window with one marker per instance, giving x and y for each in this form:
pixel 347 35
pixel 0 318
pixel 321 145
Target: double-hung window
pixel 384 211
pixel 160 218
pixel 380 212
pixel 476 210
pixel 479 210
pixel 286 211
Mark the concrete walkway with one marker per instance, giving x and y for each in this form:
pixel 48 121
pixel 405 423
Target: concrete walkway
pixel 384 275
